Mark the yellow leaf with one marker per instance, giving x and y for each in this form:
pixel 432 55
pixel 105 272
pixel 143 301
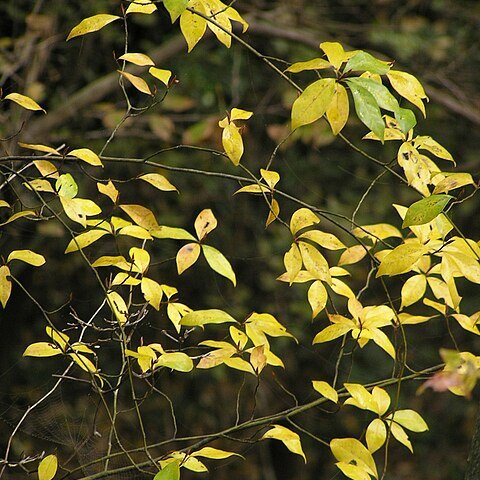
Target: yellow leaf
pixel 123 278
pixel 401 259
pixel 172 232
pixel 408 87
pixel 4 203
pixel 335 53
pixel 40 148
pixel 118 306
pixel 115 261
pixel 136 232
pixel 273 212
pixel 5 285
pixel 315 262
pixel 341 288
pixel 213 453
pixel 205 223
pixel 353 471
pixel 109 190
pixel 60 338
pixel 24 101
pixel 293 262
pixel 325 240
pixel 352 255
pixel 451 182
pixel 47 468
pixel 91 24
pixel 350 449
pixel 376 435
pixel 137 58
pixel 175 360
pixel 413 290
pixel 187 256
pixel 258 359
pixel 78 209
pixel 163 75
pixel 15 216
pixel 239 364
pixel 382 398
pixel 399 433
pixel 338 109
pixel 84 240
pixel 331 333
pixel 376 232
pixel 238 337
pixel 27 256
pixel 140 259
pixel 141 6
pixel 360 397
pixel 326 390
pixel 41 349
pixel 317 297
pixel 253 189
pixel 158 181
pixel 432 146
pixel 260 324
pixel 232 143
pixel 199 318
pixel 40 185
pixel 410 420
pixel 290 439
pixel 87 156
pixel 302 218
pixel 219 263
pixel 271 177
pixel 139 83
pixel 193 26
pixel 312 102
pixel 314 64
pixel 142 216
pixel 83 362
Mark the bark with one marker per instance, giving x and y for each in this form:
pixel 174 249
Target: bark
pixel 473 461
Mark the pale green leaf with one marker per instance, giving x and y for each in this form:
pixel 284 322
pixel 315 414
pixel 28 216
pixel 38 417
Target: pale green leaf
pixel 198 318
pixel 171 471
pixel 381 93
pixel 27 256
pixel 219 263
pixel 312 102
pixel 425 210
pixel 363 61
pixel 175 7
pixel 91 24
pixel 66 186
pixel 47 468
pixel 290 439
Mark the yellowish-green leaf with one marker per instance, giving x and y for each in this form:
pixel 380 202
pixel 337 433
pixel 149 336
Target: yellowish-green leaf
pixel 141 6
pixel 27 256
pixel 302 218
pixel 91 24
pixel 66 186
pixel 163 75
pixel 325 240
pixel 187 256
pixel 137 58
pixel 326 390
pixel 175 7
pixel 376 232
pixel 376 435
pixel 139 83
pixel 408 87
pixel 178 361
pixel 238 337
pixel 109 190
pixel 331 333
pixel 87 156
pixel 401 259
pixel 334 52
pixel 118 306
pixel 142 216
pixel 338 110
pixel 360 397
pixel 15 216
pixel 363 61
pixel 39 185
pixel 410 420
pixel 171 232
pixel 350 449
pixel 123 278
pixel 60 338
pixel 39 148
pixel 198 318
pixel 136 232
pixel 253 189
pixel 158 181
pixel 41 349
pixel 84 240
pixel 24 102
pixel 399 433
pixel 354 472
pixel 47 468
pixel 239 364
pixel 219 263
pixel 315 262
pixel 314 64
pixel 425 210
pixel 317 297
pixel 205 223
pixel 170 471
pixel 4 203
pixel 112 261
pixel 290 439
pixel 312 102
pixel 5 285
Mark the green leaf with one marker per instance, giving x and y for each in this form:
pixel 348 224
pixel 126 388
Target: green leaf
pixel 363 61
pixel 313 102
pixel 425 210
pixel 47 468
pixel 367 109
pixel 401 259
pixel 198 318
pixel 406 119
pixel 219 263
pixel 66 186
pixel 91 24
pixel 381 93
pixel 175 7
pixel 169 472
pixel 290 439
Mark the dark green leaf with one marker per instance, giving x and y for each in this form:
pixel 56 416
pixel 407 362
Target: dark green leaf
pixel 367 109
pixel 425 210
pixel 365 62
